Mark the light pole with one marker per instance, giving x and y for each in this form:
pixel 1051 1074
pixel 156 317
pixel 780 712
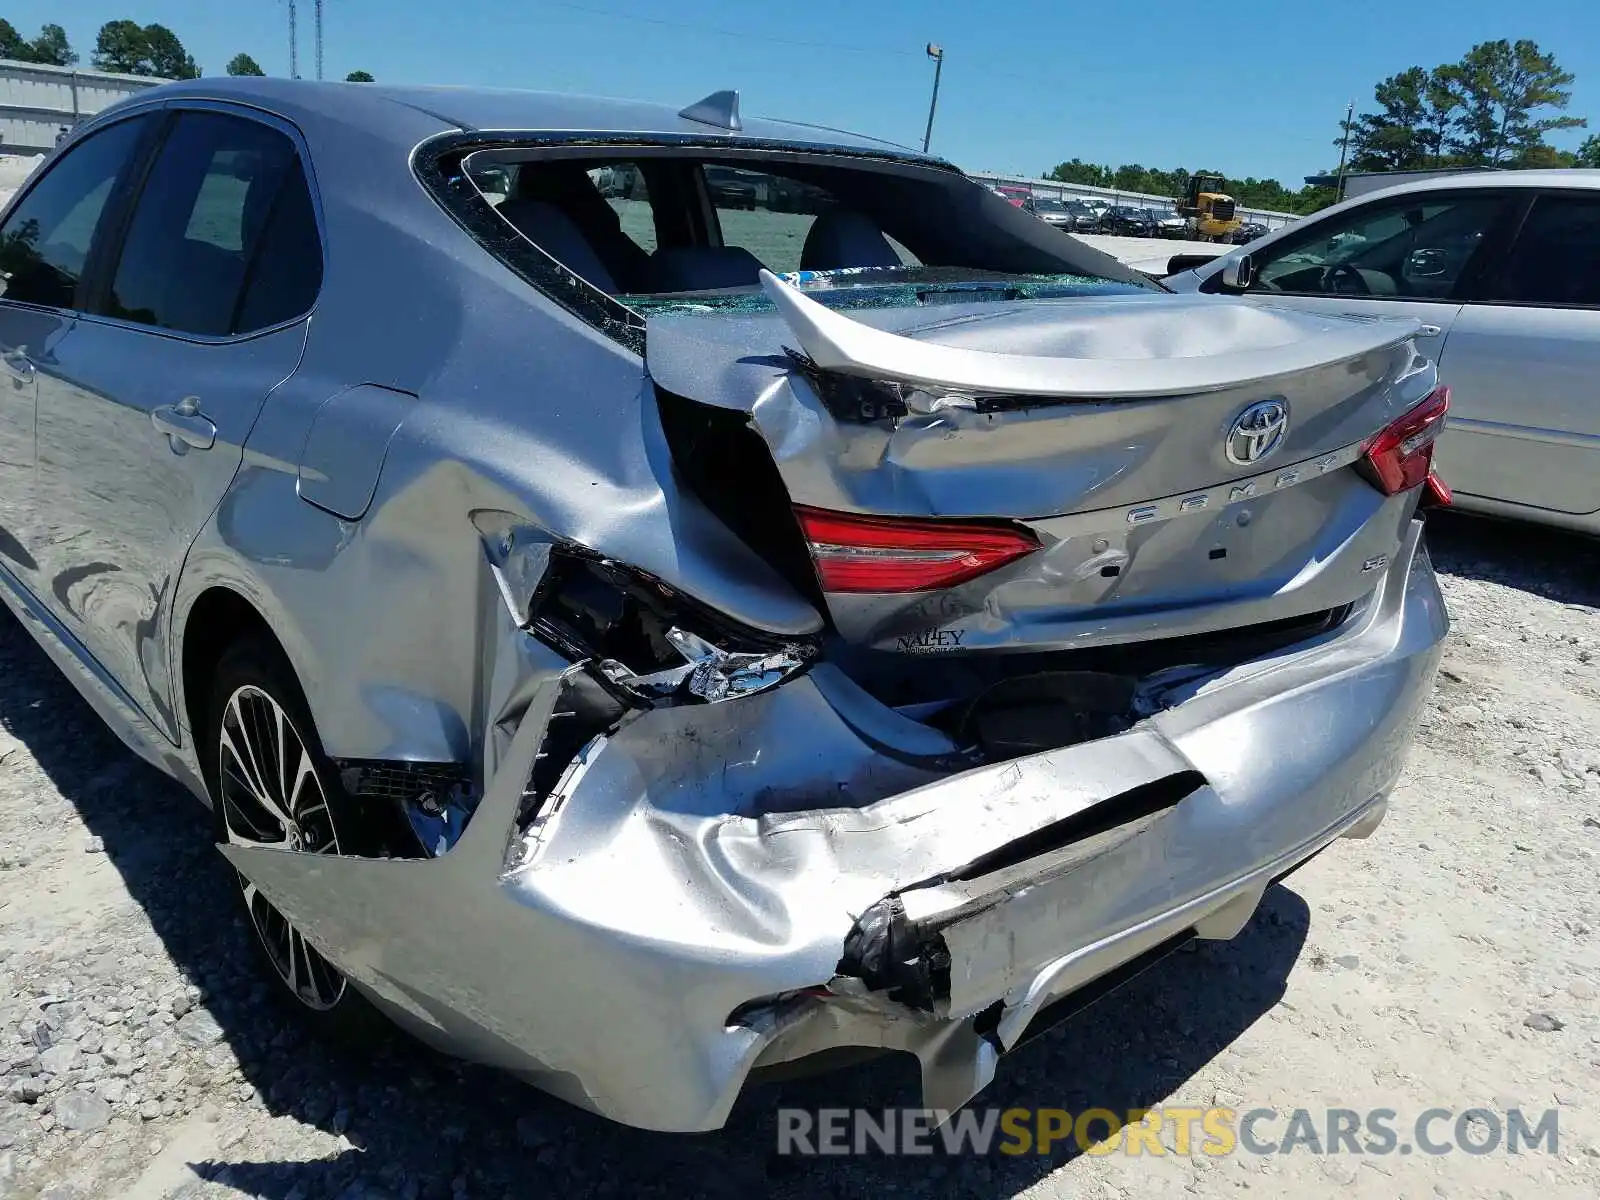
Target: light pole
pixel 937 54
pixel 1344 145
pixel 294 43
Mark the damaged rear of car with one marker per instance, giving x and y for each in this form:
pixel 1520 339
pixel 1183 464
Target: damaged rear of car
pixel 878 621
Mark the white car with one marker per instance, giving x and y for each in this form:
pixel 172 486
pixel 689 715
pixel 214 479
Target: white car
pixel 1503 270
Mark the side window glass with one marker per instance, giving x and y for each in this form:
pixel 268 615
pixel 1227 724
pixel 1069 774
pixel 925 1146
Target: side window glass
pixel 771 216
pixel 198 223
pixel 1556 258
pixel 45 243
pixel 286 268
pixel 1413 249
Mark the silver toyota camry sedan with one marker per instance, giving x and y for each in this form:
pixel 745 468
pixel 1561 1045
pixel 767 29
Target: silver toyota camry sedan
pixel 650 595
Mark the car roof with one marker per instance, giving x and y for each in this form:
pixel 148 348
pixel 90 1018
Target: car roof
pixel 1562 177
pixel 476 109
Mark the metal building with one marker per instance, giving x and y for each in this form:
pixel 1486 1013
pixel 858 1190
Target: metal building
pixel 38 104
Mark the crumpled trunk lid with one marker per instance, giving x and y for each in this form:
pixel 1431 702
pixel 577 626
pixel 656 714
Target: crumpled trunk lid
pixel 1110 427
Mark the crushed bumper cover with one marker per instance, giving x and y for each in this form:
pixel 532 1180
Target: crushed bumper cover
pixel 704 870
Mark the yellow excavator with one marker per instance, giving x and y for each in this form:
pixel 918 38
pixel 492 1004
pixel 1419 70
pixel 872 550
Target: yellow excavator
pixel 1208 210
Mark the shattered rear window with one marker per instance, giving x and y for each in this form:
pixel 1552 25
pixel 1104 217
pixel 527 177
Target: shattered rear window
pixel 891 287
pixel 572 215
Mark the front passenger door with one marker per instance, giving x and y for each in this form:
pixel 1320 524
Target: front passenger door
pixel 1409 256
pixel 45 245
pixel 199 314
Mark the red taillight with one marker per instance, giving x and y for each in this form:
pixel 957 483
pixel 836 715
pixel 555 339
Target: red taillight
pixel 902 554
pixel 1438 494
pixel 1401 455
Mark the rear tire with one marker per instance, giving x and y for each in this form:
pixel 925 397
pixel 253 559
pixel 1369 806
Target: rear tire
pixel 271 785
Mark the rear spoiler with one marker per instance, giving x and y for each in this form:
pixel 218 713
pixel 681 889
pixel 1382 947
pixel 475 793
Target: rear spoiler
pixel 834 342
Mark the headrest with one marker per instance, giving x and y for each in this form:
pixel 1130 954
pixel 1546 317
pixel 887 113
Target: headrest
pixel 841 238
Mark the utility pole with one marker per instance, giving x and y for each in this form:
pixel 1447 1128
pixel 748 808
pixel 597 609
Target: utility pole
pixel 319 39
pixel 294 44
pixel 1344 147
pixel 937 54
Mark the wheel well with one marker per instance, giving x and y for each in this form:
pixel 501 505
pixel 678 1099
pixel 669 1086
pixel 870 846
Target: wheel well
pixel 219 618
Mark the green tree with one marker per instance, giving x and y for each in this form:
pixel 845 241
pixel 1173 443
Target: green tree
pixel 132 49
pixel 168 58
pixel 1500 86
pixel 11 43
pixel 1492 108
pixel 120 47
pixel 360 77
pixel 1078 171
pixel 52 47
pixel 1588 154
pixel 243 64
pixel 1415 113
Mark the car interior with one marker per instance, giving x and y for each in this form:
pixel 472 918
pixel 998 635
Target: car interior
pixel 1420 250
pixel 669 224
pixel 559 206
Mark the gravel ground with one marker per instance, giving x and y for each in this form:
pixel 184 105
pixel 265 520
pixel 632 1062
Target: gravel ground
pixel 1452 960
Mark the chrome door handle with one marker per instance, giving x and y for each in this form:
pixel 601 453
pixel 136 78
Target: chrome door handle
pixel 18 363
pixel 185 425
pixel 1429 331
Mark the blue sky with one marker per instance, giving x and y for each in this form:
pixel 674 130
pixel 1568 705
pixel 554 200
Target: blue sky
pixel 1252 87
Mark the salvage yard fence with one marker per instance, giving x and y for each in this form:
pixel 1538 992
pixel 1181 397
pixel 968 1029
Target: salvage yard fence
pixel 1055 189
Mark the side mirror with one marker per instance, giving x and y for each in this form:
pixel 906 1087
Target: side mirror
pixel 1238 273
pixel 1187 262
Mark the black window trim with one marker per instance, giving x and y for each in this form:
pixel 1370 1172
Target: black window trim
pixel 1488 257
pixel 110 217
pixel 104 262
pixel 1489 279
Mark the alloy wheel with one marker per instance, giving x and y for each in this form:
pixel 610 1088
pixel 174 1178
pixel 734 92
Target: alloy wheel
pixel 271 796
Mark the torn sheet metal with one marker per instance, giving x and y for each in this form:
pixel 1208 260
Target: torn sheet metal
pixel 710 856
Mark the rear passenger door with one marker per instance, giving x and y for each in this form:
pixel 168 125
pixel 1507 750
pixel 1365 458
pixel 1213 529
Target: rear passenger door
pixel 195 314
pixel 1523 365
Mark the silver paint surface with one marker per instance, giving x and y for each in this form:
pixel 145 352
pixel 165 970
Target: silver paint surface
pixel 389 477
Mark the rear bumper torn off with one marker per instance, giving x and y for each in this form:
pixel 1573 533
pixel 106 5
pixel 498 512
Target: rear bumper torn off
pixel 710 867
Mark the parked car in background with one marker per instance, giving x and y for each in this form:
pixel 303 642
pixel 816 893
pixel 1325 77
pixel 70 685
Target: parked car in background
pixel 730 187
pixel 1249 232
pixel 1503 270
pixel 1127 220
pixel 641 649
pixel 1085 216
pixel 1015 193
pixel 1171 224
pixel 1050 211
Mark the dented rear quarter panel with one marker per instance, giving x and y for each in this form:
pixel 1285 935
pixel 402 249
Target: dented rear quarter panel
pixel 508 405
